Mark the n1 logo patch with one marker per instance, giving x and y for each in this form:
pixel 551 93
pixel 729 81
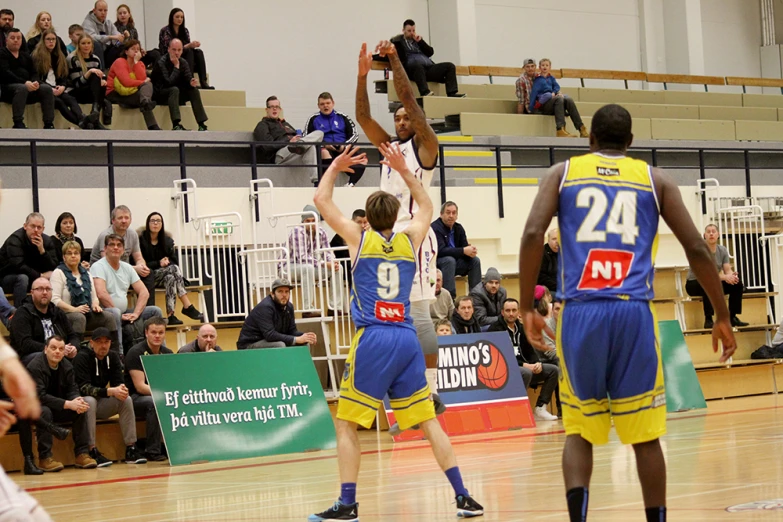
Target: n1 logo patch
pixel 390 312
pixel 605 269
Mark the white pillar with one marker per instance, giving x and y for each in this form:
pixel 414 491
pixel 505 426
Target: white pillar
pixel 683 33
pixel 453 31
pixel 651 36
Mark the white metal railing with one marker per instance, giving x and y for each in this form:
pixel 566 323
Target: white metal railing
pixel 261 207
pixel 186 236
pixel 708 188
pixel 774 246
pixel 740 229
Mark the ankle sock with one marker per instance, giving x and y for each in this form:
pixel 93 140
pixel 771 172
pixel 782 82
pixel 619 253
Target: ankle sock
pixel 455 477
pixel 656 514
pixel 348 493
pixel 577 499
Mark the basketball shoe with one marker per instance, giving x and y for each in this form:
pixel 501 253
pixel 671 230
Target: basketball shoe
pixel 339 512
pixel 467 507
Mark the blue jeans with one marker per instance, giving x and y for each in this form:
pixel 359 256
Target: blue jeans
pixel 18 283
pixel 6 310
pixel 452 267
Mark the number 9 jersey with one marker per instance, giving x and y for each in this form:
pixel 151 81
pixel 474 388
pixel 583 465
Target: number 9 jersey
pixel 608 229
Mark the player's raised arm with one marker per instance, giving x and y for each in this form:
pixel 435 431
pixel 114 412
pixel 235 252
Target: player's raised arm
pixel 420 224
pixel 700 258
pixel 371 128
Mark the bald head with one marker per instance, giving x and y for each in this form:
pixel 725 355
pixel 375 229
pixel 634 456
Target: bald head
pixel 551 238
pixel 207 338
pixel 41 291
pixel 100 10
pixel 175 50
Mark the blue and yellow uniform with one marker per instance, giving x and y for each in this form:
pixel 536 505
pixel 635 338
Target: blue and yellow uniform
pixel 385 355
pixel 607 336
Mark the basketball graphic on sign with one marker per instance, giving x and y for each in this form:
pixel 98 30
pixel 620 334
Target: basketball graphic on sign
pixel 495 375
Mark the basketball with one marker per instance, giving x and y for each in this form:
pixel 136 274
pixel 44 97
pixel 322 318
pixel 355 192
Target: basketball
pixel 495 375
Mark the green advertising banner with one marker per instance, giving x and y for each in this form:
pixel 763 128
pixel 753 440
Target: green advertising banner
pixel 683 391
pixel 239 404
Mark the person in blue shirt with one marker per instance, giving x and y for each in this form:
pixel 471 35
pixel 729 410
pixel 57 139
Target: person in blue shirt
pixel 546 98
pixel 339 130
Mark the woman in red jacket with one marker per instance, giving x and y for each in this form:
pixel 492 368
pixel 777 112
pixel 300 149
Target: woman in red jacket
pixel 128 84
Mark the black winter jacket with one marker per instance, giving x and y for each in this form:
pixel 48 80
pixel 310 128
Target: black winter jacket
pixel 27 331
pixel 19 255
pixel 460 239
pixel 42 374
pixel 270 322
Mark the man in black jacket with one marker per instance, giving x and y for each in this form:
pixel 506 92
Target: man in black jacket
pixel 534 372
pixel 488 297
pixel 26 255
pixel 175 85
pixel 455 255
pixel 36 321
pixel 17 85
pixel 271 323
pixel 547 275
pixel 415 56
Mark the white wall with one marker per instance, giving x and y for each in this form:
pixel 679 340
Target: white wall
pixel 732 37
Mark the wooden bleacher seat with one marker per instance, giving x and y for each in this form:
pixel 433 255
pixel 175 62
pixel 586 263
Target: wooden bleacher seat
pixel 686 79
pixel 592 74
pixel 462 70
pixel 755 82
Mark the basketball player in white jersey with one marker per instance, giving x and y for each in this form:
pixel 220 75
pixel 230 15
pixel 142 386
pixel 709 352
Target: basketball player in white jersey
pixel 419 144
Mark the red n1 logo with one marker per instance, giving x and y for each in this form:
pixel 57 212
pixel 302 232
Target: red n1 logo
pixel 391 312
pixel 605 269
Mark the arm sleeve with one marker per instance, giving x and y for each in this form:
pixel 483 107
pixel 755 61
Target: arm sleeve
pixel 261 133
pixel 164 38
pixel 310 124
pixel 479 309
pixel 93 293
pixel 534 94
pixel 117 376
pixel 443 247
pixel 266 324
pixel 82 373
pixel 555 85
pixel 49 257
pixel 171 251
pixel 426 48
pixel 57 280
pixel 15 258
pixel 122 73
pixel 55 403
pixel 7 76
pixel 22 334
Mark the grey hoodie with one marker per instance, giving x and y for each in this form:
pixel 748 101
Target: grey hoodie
pixel 100 31
pixel 487 308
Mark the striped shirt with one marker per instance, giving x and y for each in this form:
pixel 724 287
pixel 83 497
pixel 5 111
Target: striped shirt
pixel 76 77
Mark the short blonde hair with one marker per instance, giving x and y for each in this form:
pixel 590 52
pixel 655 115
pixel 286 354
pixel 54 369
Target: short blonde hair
pixel 542 60
pixel 72 245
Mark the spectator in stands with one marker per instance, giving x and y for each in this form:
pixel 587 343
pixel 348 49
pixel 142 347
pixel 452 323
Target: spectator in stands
pixel 6 24
pixel 73 292
pixel 128 84
pixel 127 26
pixel 87 79
pixel 120 225
pixel 271 323
pixel 359 217
pixel 732 285
pixel 307 263
pixel 443 305
pixel 6 310
pixel 174 84
pixel 534 372
pixel 100 379
pixel 37 320
pixel 547 275
pixel 273 127
pixel 108 40
pixel 113 278
pixel 488 297
pixel 338 130
pixel 464 321
pixel 157 248
pixel 192 49
pixel 43 23
pixel 416 55
pixel 546 98
pixel 75 32
pixel 26 255
pixel 138 387
pixel 18 85
pixel 60 402
pixel 525 86
pixel 545 308
pixel 443 327
pixel 206 341
pixel 455 255
pixel 51 68
pixel 65 230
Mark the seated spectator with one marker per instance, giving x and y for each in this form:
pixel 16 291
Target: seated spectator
pixel 307 263
pixel 101 382
pixel 26 255
pixel 443 305
pixel 546 98
pixel 192 49
pixel 730 279
pixel 524 86
pixel 206 341
pixel 547 274
pixel 121 218
pixel 37 320
pixel 128 84
pixel 338 130
pixel 455 255
pixel 157 248
pixel 6 24
pixel 488 298
pixel 108 40
pixel 60 402
pixel 43 23
pixel 359 217
pixel 6 310
pixel 464 321
pixel 174 85
pixel 88 81
pixel 18 85
pixel 443 327
pixel 416 55
pixel 534 372
pixel 271 323
pixel 138 387
pixel 274 128
pixel 75 32
pixel 113 278
pixel 127 26
pixel 65 230
pixel 51 69
pixel 73 292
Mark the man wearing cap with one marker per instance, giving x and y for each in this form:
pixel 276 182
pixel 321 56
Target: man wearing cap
pixel 307 263
pixel 525 85
pixel 271 323
pixel 206 341
pixel 100 380
pixel 488 297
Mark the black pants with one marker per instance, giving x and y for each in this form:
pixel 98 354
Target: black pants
pixel 358 170
pixel 18 96
pixel 144 407
pixel 68 106
pixel 547 378
pixel 150 58
pixel 95 94
pixel 174 97
pixel 561 106
pixel 140 99
pixel 79 432
pixel 438 73
pixel 198 64
pixel 734 292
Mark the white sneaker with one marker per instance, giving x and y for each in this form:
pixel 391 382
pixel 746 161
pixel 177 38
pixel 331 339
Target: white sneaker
pixel 349 185
pixel 540 413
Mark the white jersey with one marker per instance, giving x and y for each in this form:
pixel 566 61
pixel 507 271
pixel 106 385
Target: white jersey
pixel 424 284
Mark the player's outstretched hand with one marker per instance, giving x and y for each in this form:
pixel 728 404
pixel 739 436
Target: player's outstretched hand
pixel 365 61
pixel 385 48
pixel 534 325
pixel 722 332
pixel 348 159
pixel 393 157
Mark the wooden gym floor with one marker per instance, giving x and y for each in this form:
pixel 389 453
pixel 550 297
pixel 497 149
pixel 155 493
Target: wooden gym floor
pixel 729 454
